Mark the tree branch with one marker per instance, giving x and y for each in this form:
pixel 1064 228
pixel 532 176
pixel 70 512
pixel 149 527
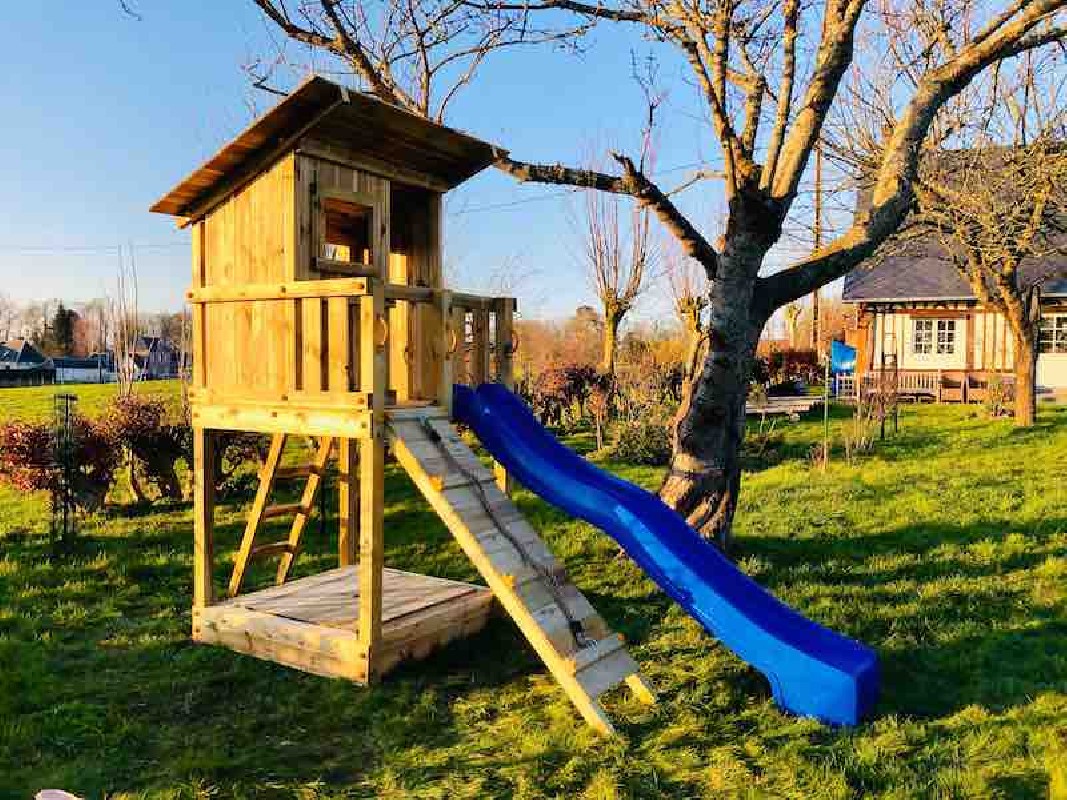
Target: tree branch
pixel 632 182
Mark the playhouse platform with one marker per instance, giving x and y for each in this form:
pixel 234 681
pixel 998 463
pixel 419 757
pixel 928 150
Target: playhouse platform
pixel 312 623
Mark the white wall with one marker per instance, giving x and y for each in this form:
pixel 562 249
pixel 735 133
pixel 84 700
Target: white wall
pixel 1052 371
pixel 991 348
pixel 899 326
pixel 79 375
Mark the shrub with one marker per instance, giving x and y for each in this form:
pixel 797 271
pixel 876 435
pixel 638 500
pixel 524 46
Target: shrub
pixel 642 443
pixel 559 391
pixel 27 460
pixel 153 445
pixel 794 364
pixel 232 449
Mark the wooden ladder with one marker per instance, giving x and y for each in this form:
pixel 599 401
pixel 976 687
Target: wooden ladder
pixel 270 473
pixel 525 577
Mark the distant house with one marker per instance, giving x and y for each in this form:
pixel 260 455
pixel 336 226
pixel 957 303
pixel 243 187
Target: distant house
pixel 919 311
pixel 22 364
pixel 20 354
pixel 155 358
pixel 97 368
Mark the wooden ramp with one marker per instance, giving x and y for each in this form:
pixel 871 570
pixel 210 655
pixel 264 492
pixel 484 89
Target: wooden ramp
pixel 574 642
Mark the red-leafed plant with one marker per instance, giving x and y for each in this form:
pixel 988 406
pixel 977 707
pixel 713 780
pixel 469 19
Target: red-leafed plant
pixel 27 460
pixel 153 446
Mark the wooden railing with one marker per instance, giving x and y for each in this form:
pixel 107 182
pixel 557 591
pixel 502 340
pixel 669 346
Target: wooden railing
pixel 938 384
pixel 348 340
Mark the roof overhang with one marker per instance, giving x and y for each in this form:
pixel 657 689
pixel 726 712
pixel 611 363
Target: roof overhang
pixel 323 109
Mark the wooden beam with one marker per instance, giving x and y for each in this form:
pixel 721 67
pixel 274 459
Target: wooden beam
pixel 444 349
pixel 339 348
pixel 203 517
pixel 337 287
pixel 411 294
pixel 505 376
pixel 480 346
pixel 372 477
pixel 332 265
pixel 353 422
pixel 348 502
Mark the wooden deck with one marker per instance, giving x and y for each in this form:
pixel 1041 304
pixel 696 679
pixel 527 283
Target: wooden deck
pixel 312 623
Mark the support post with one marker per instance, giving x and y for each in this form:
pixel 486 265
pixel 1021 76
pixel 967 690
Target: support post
pixel 448 341
pixel 203 517
pixel 348 502
pixel 479 346
pixel 372 475
pixel 505 369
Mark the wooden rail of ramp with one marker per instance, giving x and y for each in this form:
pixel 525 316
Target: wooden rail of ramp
pixel 582 654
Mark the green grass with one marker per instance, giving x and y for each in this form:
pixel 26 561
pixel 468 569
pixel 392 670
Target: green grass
pixel 946 550
pixel 35 403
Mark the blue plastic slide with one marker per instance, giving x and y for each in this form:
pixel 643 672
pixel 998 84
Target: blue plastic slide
pixel 812 670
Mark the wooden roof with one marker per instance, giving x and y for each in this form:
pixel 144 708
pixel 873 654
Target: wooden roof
pixel 331 113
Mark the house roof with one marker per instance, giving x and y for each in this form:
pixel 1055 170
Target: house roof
pixel 72 362
pixel 19 351
pixel 333 113
pixel 920 268
pixel 930 275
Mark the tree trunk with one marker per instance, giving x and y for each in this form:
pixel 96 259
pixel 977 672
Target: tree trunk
pixel 610 342
pixel 704 478
pixel 1025 380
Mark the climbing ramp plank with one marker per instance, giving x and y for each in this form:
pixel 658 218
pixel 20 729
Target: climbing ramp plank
pixel 575 643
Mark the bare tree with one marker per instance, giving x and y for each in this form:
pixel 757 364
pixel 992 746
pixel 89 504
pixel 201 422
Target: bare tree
pixel 997 213
pixel 792 313
pixel 767 100
pixel 417 54
pixel 618 255
pixel 989 193
pixel 9 314
pixel 124 322
pixel 688 288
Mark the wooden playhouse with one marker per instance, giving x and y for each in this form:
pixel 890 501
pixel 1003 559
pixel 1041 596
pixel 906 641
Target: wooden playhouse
pixel 319 311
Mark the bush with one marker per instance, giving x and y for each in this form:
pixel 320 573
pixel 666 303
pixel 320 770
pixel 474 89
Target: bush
pixel 154 446
pixel 795 364
pixel 562 391
pixel 232 449
pixel 642 443
pixel 27 460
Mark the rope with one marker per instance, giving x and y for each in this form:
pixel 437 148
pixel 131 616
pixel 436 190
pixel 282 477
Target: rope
pixel 552 578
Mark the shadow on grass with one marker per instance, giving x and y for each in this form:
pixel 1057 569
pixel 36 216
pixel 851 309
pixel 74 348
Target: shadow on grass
pixel 927 608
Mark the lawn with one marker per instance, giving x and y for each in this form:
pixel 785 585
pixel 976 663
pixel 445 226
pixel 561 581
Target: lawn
pixel 945 549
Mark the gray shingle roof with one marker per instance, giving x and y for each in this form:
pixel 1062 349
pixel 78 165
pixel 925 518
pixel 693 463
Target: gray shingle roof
pixel 929 275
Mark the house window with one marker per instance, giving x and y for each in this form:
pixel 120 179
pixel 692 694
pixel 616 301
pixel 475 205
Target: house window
pixel 1053 334
pixel 934 336
pixel 946 337
pixel 923 339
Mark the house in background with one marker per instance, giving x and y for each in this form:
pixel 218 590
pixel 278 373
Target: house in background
pixel 920 310
pixel 20 354
pixel 155 358
pixel 96 368
pixel 22 364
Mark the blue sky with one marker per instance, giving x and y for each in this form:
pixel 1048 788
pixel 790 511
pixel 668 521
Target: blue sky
pixel 103 113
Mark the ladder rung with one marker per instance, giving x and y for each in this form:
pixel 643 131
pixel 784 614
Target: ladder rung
pixel 587 656
pixel 283 510
pixel 272 549
pixel 300 471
